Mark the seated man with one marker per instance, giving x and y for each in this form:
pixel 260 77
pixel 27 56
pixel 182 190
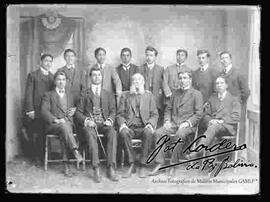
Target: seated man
pixel 222 114
pixel 137 117
pixel 57 110
pixel 95 113
pixel 182 114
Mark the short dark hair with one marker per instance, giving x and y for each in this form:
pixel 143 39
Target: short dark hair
pixel 150 48
pixel 199 52
pixel 225 79
pixel 125 50
pixel 189 73
pixel 99 49
pixel 59 72
pixel 43 56
pixel 69 50
pixel 225 52
pixel 94 69
pixel 182 50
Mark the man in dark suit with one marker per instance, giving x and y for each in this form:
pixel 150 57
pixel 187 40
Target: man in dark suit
pixel 222 115
pixel 182 114
pixel 203 78
pixel 170 75
pixel 153 76
pixel 237 84
pixel 110 79
pixel 96 113
pixel 38 82
pixel 126 69
pixel 76 75
pixel 137 116
pixel 57 110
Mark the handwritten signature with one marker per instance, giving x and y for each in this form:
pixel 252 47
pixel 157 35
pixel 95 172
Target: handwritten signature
pixel 219 148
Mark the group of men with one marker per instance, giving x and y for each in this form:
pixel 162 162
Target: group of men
pixel 131 101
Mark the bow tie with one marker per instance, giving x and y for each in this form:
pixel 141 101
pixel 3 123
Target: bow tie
pixel 70 66
pixel 61 91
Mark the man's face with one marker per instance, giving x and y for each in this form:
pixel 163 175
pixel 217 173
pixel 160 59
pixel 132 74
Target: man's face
pixel 46 63
pixel 70 58
pixel 181 57
pixel 101 57
pixel 150 57
pixel 126 57
pixel 137 81
pixel 225 59
pixel 221 85
pixel 184 80
pixel 203 59
pixel 60 81
pixel 96 77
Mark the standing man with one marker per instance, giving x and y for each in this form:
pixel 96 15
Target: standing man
pixel 153 76
pixel 137 116
pixel 96 113
pixel 38 82
pixel 182 115
pixel 110 79
pixel 237 84
pixel 204 77
pixel 75 75
pixel 126 69
pixel 222 115
pixel 57 110
pixel 170 76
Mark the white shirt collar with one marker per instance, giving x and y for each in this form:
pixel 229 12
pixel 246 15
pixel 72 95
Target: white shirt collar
pixel 44 71
pixel 125 67
pixel 228 68
pixel 178 64
pixel 58 92
pixel 203 68
pixel 70 66
pixel 186 88
pixel 96 88
pixel 103 65
pixel 150 66
pixel 222 96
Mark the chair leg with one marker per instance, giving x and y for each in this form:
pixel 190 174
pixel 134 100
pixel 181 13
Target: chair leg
pixel 46 154
pixel 83 159
pixel 122 158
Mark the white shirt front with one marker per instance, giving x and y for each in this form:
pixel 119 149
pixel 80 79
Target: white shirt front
pixel 203 68
pixel 101 66
pixel 150 66
pixel 96 89
pixel 180 64
pixel 126 67
pixel 71 66
pixel 44 71
pixel 228 68
pixel 222 96
pixel 60 92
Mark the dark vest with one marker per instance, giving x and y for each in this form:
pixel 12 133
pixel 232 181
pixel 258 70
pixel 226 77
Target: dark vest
pixel 97 110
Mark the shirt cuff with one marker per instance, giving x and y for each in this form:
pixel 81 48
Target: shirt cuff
pixel 85 121
pixel 109 119
pixel 27 113
pixel 170 94
pixel 124 125
pixel 189 122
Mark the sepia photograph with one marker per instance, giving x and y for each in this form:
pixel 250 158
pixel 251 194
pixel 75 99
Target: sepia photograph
pixel 133 99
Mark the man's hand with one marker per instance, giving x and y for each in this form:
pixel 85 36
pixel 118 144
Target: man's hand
pixel 214 121
pixel 108 123
pixel 71 111
pixel 31 115
pixel 123 126
pixel 57 121
pixel 184 125
pixel 167 125
pixel 150 127
pixel 91 124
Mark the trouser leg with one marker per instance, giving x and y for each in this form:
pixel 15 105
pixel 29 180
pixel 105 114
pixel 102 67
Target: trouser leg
pixel 126 136
pixel 147 138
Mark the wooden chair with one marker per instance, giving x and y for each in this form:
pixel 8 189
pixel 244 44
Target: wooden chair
pixel 49 138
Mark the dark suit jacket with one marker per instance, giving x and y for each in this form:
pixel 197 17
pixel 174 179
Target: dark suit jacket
pixel 110 79
pixel 237 84
pixel 184 106
pixel 76 84
pixel 51 107
pixel 171 79
pixel 37 84
pixel 157 83
pixel 228 110
pixel 127 107
pixel 126 82
pixel 85 106
pixel 204 81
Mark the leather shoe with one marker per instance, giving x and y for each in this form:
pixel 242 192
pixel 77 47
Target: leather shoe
pixel 142 173
pixel 129 171
pixel 112 175
pixel 67 171
pixel 97 177
pixel 156 170
pixel 78 156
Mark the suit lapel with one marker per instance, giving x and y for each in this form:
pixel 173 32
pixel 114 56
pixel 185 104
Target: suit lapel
pixel 103 98
pixel 133 102
pixel 184 98
pixel 56 100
